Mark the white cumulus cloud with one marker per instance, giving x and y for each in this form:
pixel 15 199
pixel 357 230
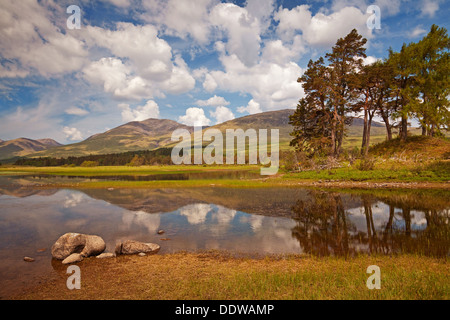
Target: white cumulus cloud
pixel 195 116
pixel 222 114
pixel 73 134
pixel 140 113
pixel 215 101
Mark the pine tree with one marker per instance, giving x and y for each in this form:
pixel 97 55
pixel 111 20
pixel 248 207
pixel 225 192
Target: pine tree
pixel 403 85
pixel 346 59
pixel 373 83
pixel 432 66
pixel 330 92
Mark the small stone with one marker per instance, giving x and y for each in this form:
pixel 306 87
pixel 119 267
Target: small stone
pixel 73 258
pixel 41 250
pixel 28 259
pixel 106 255
pixel 164 239
pixel 141 254
pixel 161 231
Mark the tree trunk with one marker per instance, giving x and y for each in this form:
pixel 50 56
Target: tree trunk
pixel 333 140
pixel 424 130
pixel 404 129
pixel 387 124
pixel 432 131
pixel 369 127
pixel 340 139
pixel 364 137
pixel 334 132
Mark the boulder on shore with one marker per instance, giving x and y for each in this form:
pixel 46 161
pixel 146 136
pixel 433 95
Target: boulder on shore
pixel 85 245
pixel 136 247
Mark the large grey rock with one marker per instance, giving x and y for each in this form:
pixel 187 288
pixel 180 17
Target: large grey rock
pixel 136 247
pixel 94 245
pixel 85 245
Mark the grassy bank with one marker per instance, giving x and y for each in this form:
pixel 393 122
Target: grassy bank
pixel 121 170
pixel 432 176
pixel 218 276
pixel 438 172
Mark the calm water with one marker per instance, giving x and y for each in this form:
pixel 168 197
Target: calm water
pixel 242 221
pixel 229 174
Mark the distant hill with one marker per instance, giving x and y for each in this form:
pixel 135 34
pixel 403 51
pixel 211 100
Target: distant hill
pixel 137 135
pixel 266 120
pixel 23 146
pixel 49 142
pixel 156 133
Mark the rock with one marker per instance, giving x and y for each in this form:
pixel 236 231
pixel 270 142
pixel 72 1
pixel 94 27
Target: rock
pixel 69 243
pixel 41 250
pixel 28 259
pixel 106 255
pixel 73 258
pixel 94 245
pixel 161 231
pixel 135 247
pixel 141 254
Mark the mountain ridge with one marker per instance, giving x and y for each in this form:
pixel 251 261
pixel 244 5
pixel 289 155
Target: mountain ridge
pixel 153 133
pixel 25 146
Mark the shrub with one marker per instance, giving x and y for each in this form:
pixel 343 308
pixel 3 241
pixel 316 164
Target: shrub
pixel 89 164
pixel 366 164
pixel 137 161
pixel 289 160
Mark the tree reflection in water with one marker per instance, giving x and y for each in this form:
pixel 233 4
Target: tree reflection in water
pixel 326 227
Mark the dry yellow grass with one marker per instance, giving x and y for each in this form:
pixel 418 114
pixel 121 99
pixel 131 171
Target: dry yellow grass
pixel 217 276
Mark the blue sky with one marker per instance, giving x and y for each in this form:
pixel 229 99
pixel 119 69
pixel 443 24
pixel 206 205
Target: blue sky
pixel 190 61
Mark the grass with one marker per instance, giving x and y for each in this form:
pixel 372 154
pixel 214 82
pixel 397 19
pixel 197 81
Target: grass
pixel 122 170
pixel 438 172
pixel 218 276
pixel 434 176
pixel 416 148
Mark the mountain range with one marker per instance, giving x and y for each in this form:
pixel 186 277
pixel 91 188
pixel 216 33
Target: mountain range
pixel 152 134
pixel 22 146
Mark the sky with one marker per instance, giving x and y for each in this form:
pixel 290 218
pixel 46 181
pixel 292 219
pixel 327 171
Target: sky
pixel 191 61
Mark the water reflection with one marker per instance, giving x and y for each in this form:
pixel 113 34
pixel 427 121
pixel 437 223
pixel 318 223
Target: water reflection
pixel 202 175
pixel 253 221
pixel 385 225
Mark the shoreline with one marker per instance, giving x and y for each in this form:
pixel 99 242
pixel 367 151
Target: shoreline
pixel 259 183
pixel 198 275
pixel 90 178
